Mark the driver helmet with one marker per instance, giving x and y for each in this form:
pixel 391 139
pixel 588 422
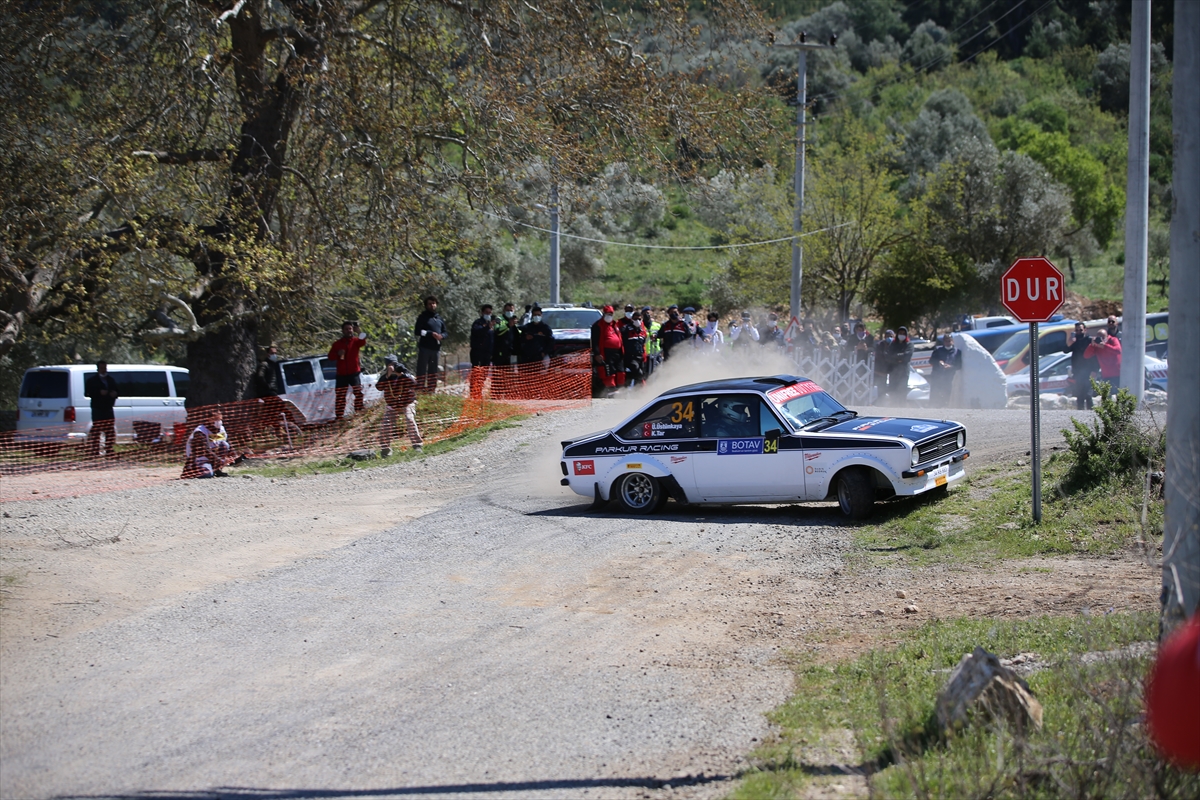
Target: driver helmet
pixel 731 409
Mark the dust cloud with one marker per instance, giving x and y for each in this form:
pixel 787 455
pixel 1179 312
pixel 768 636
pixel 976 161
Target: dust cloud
pixel 686 366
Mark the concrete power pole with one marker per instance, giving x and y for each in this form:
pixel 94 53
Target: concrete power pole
pixel 554 242
pixel 1181 529
pixel 798 177
pixel 1137 199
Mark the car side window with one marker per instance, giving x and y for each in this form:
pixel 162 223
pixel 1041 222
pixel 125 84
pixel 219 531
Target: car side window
pixel 671 419
pixel 730 416
pixel 767 421
pixel 298 373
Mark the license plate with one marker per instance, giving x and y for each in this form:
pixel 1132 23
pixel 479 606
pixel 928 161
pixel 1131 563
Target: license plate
pixel 937 477
pixel 42 414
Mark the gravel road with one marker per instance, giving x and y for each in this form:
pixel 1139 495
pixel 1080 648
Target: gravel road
pixel 454 626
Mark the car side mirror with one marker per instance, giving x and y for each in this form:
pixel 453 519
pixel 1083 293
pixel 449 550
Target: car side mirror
pixel 774 433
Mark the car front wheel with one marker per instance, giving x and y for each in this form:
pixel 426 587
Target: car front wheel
pixel 855 495
pixel 639 493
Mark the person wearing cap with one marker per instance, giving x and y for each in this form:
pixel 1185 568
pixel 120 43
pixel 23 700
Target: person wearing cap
pixel 741 335
pixel 344 354
pixel 770 334
pixel 944 362
pixel 537 340
pixel 899 355
pixel 608 352
pixel 400 397
pixel 673 331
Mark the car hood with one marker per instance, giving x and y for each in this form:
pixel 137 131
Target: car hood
pixel 907 427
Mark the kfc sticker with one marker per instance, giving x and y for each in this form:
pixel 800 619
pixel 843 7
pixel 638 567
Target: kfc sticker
pixel 585 467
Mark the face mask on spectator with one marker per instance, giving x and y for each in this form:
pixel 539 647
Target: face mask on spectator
pixel 608 317
pixel 508 315
pixel 273 357
pixel 687 317
pixel 487 317
pixel 537 317
pixel 637 323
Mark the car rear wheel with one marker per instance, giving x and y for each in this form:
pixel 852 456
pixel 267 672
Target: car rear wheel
pixel 855 495
pixel 638 493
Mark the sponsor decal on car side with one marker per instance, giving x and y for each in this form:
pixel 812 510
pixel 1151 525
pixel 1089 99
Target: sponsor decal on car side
pixel 740 447
pixel 678 459
pixel 633 465
pixel 587 467
pixel 811 456
pixel 637 448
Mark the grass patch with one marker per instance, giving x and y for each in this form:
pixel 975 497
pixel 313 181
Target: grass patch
pixel 991 517
pixel 882 704
pixel 301 467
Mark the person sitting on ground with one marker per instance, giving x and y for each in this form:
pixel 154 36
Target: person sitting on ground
pixel 207 449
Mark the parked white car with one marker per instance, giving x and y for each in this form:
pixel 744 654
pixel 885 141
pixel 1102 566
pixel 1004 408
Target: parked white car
pixel 308 385
pixel 1056 376
pixel 52 405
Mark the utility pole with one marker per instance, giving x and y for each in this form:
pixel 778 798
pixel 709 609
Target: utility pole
pixel 1181 528
pixel 801 142
pixel 1137 199
pixel 554 241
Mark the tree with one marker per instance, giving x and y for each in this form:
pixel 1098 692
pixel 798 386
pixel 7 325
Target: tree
pixel 228 164
pixel 851 198
pixel 922 287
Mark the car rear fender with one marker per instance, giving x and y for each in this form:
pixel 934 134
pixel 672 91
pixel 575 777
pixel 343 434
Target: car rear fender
pixel 883 477
pixel 646 464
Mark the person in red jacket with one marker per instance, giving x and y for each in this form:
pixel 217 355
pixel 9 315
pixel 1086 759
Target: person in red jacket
pixel 344 354
pixel 608 350
pixel 1107 350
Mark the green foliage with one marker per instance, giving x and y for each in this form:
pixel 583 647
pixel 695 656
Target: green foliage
pixel 921 287
pixel 1117 448
pixel 883 702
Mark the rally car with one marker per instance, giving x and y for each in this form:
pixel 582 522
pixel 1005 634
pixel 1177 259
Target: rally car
pixel 774 439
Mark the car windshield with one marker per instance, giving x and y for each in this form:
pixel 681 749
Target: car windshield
pixel 578 318
pixel 1012 346
pixel 805 402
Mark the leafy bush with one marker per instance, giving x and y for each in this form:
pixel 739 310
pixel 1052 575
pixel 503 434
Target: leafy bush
pixel 1117 447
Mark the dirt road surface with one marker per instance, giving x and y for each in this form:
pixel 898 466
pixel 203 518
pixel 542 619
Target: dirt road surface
pixel 458 626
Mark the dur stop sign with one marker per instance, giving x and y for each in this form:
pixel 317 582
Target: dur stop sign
pixel 1032 289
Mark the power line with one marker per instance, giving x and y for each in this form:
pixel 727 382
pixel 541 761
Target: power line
pixel 667 246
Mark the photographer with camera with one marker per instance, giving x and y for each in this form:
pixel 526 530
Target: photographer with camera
pixel 1082 366
pixel 344 355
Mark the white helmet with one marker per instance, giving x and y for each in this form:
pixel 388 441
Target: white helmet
pixel 731 409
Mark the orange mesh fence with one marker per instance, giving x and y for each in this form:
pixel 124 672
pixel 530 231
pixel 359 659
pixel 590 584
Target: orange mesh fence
pixel 150 444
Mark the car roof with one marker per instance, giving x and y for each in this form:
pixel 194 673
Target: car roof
pixel 753 384
pixel 111 367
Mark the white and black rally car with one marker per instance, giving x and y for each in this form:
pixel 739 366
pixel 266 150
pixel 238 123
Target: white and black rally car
pixel 774 439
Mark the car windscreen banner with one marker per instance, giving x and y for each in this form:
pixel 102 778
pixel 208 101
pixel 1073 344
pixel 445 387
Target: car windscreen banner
pixel 785 394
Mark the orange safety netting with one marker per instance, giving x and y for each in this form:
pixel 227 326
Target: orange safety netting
pixel 52 462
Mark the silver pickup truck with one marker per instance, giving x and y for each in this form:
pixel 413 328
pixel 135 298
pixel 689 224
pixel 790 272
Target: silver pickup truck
pixel 308 387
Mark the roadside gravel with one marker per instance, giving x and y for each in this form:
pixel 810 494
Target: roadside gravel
pixel 453 626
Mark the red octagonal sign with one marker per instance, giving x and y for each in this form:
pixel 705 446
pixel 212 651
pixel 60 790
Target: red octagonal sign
pixel 1032 289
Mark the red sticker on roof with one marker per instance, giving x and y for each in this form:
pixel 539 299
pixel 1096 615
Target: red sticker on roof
pixel 785 393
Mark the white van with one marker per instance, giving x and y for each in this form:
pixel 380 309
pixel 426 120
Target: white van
pixel 53 406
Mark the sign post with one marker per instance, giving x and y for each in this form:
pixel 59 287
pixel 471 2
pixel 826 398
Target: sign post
pixel 1032 290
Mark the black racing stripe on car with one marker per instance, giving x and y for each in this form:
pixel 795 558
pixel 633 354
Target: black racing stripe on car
pixel 611 446
pixel 813 443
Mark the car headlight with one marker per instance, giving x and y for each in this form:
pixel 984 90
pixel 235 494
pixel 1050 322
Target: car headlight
pixel 916 456
pixel 962 439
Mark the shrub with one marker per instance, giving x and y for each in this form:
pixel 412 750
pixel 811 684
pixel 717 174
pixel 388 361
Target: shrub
pixel 1116 448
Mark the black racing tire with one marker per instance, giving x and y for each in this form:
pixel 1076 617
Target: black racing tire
pixel 855 494
pixel 638 493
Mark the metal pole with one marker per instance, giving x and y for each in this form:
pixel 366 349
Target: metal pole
pixel 554 239
pixel 798 181
pixel 1137 199
pixel 1035 421
pixel 1181 528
